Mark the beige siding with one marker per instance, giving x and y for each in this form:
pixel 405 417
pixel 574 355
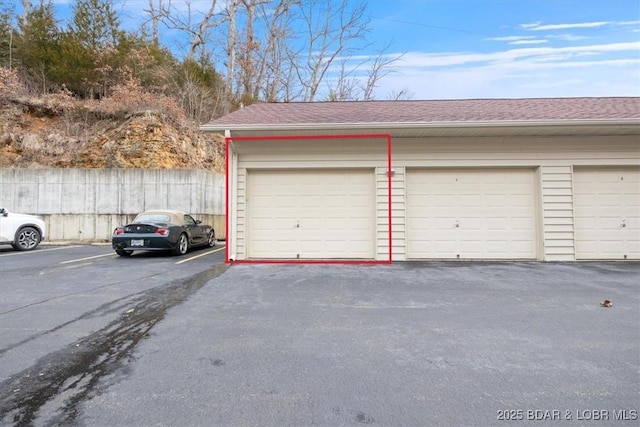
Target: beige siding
pixel 241 251
pixel 397 214
pixel 553 157
pixel 515 152
pixel 302 155
pixel 557 213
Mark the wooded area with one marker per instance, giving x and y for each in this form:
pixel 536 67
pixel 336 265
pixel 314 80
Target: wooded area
pixel 233 53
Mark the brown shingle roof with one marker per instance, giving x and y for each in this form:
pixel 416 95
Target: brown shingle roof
pixel 472 110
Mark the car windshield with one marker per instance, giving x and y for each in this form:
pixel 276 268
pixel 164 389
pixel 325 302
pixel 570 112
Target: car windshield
pixel 153 218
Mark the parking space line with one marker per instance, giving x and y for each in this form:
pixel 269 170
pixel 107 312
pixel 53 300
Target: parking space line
pixel 39 251
pixel 89 257
pixel 200 255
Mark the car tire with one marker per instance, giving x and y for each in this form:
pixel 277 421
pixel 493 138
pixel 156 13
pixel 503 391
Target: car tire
pixel 123 252
pixel 182 245
pixel 211 240
pixel 27 238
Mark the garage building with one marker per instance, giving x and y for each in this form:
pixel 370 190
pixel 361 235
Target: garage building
pixel 495 179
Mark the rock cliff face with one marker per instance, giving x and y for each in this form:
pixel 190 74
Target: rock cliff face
pixel 35 134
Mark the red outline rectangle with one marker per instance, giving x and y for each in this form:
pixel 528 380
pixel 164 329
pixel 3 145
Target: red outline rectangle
pixel 305 137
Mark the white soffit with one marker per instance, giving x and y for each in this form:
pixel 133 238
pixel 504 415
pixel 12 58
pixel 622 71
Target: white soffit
pixel 440 129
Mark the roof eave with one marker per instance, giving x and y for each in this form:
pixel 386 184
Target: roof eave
pixel 389 126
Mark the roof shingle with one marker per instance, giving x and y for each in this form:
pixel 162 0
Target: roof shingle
pixel 469 110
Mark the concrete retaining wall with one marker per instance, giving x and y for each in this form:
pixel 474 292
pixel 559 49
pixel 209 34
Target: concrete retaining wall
pixel 87 204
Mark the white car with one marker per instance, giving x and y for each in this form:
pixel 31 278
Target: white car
pixel 23 232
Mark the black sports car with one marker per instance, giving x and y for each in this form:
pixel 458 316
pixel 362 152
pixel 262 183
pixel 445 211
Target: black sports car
pixel 159 230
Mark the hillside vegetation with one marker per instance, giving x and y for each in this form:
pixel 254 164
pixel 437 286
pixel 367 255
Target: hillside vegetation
pixel 128 129
pixel 91 83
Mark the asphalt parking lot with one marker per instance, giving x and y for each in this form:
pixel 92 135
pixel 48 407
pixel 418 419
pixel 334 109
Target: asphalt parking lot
pixel 64 307
pixel 410 344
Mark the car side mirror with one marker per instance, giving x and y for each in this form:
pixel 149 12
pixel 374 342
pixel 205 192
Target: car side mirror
pixel 3 212
pixel 198 222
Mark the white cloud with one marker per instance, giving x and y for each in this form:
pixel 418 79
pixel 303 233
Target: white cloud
pixel 518 40
pixel 521 42
pixel 590 70
pixel 540 27
pixel 568 37
pixel 523 81
pixel 421 59
pixel 511 38
pixel 531 25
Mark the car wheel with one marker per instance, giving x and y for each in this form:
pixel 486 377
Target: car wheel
pixel 182 245
pixel 123 252
pixel 27 238
pixel 211 241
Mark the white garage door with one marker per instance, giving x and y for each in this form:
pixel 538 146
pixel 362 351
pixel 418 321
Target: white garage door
pixel 311 214
pixel 607 213
pixel 471 214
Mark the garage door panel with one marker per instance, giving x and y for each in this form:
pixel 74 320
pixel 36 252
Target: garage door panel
pixel 335 204
pixel 524 201
pixel 608 223
pixel 311 214
pixel 471 201
pixel 281 201
pixel 443 245
pixel 497 201
pixel 441 222
pixel 273 223
pixel 520 248
pixel 446 247
pixel 434 199
pixel 522 224
pixel 634 247
pixel 285 249
pixel 607 208
pixel 495 224
pixel 333 216
pixel 306 201
pixel 604 203
pixel 471 213
pixel 470 226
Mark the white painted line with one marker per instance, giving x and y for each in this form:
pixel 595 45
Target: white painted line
pixel 89 257
pixel 200 255
pixel 39 251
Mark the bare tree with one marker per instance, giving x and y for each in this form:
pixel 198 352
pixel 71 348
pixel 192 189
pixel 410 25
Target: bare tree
pixel 271 64
pixel 197 29
pixel 346 87
pixel 330 35
pixel 157 12
pixel 247 60
pixel 357 77
pixel 403 94
pixel 232 6
pixel 280 50
pixel 380 67
pixel 26 9
pixel 256 59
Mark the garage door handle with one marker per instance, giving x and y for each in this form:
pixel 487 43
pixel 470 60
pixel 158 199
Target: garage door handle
pixel 623 224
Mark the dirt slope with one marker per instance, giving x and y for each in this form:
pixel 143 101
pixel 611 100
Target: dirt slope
pixel 38 134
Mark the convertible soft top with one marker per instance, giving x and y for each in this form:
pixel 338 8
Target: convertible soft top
pixel 176 217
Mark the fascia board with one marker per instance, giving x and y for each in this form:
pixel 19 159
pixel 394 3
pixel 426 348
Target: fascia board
pixel 416 125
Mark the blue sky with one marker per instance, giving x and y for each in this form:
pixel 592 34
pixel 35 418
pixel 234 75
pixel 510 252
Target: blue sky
pixel 452 49
pixel 511 48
